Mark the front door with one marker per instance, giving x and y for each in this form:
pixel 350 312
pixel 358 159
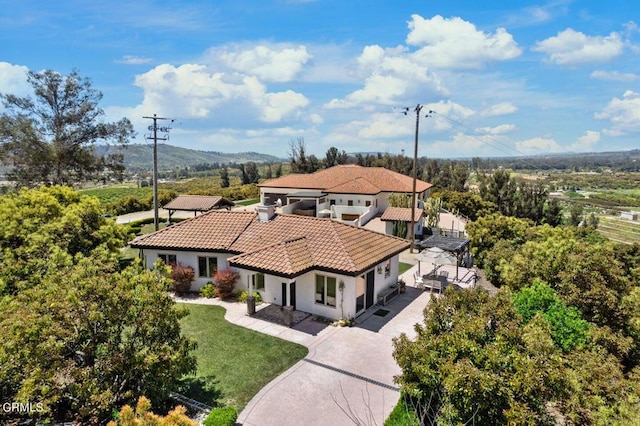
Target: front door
pixel 292 295
pixel 370 286
pixel 284 294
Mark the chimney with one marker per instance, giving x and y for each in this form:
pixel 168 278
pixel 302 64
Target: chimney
pixel 266 213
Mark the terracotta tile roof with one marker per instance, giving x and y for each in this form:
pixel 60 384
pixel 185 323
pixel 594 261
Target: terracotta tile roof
pixel 286 245
pixel 401 213
pixel 205 232
pixel 352 179
pixel 288 258
pixel 197 202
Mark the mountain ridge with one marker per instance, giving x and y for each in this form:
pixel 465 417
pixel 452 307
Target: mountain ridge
pixel 139 157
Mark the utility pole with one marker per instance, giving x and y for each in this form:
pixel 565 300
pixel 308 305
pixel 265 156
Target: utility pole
pixel 417 110
pixel 154 135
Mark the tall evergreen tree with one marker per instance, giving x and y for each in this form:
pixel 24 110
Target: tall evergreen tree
pixel 50 138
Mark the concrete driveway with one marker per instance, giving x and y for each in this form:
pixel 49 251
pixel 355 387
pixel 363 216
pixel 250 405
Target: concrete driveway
pixel 347 377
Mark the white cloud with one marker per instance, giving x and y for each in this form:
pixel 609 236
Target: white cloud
pixel 623 113
pixel 133 60
pixel 614 76
pixel 571 47
pixel 456 43
pixel 386 126
pixel 502 108
pixel 497 130
pixel 586 142
pixel 277 63
pixel 13 80
pixel 191 91
pixel 447 115
pixel 538 145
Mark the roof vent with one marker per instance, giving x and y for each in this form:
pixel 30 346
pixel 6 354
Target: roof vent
pixel 266 213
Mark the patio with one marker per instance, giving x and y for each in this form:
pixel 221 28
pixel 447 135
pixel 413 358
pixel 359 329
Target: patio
pixel 275 314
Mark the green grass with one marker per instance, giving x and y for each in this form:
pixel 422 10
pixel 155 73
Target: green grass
pixel 239 362
pixel 402 415
pixel 248 202
pixel 404 267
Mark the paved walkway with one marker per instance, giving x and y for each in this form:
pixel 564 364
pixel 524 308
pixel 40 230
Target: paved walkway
pixel 347 377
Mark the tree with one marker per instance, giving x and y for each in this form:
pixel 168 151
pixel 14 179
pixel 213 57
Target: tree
pixel 252 173
pixel 50 138
pixel 243 172
pixel 278 170
pixel 552 213
pixel 568 329
pixel 488 230
pixel 576 214
pixel 90 338
pixel 471 362
pixel 224 177
pixel 44 229
pixel 432 210
pixel 334 157
pixel 298 156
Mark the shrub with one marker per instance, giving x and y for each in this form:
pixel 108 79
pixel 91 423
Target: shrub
pixel 182 276
pixel 222 416
pixel 208 291
pixel 242 297
pixel 226 280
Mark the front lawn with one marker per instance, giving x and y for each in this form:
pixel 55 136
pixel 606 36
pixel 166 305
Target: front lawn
pixel 234 362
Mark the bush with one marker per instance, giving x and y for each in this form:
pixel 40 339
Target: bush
pixel 226 280
pixel 208 291
pixel 222 416
pixel 182 276
pixel 242 297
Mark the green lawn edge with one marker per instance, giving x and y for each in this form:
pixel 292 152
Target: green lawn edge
pixel 234 363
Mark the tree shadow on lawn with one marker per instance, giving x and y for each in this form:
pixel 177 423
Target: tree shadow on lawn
pixel 201 389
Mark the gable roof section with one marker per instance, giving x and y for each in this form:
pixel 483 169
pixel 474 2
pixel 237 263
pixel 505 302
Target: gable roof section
pixel 197 203
pixel 287 245
pixel 401 213
pixel 352 179
pixel 287 258
pixel 205 232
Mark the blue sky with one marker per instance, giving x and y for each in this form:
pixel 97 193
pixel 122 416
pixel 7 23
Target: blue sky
pixel 503 78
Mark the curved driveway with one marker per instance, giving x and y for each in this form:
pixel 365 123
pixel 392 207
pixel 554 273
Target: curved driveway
pixel 347 377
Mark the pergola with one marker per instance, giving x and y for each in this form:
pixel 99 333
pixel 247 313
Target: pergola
pixel 456 246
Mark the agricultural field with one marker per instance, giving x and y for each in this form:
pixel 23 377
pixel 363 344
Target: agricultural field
pixel 619 230
pixel 112 194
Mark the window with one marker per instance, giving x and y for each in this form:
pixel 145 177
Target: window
pixel 322 200
pixel 367 203
pixel 350 203
pixel 207 266
pixel 257 281
pixel 332 202
pixel 168 259
pixel 387 269
pixel 326 290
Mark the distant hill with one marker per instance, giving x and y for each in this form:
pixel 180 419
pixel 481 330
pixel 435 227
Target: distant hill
pixel 139 157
